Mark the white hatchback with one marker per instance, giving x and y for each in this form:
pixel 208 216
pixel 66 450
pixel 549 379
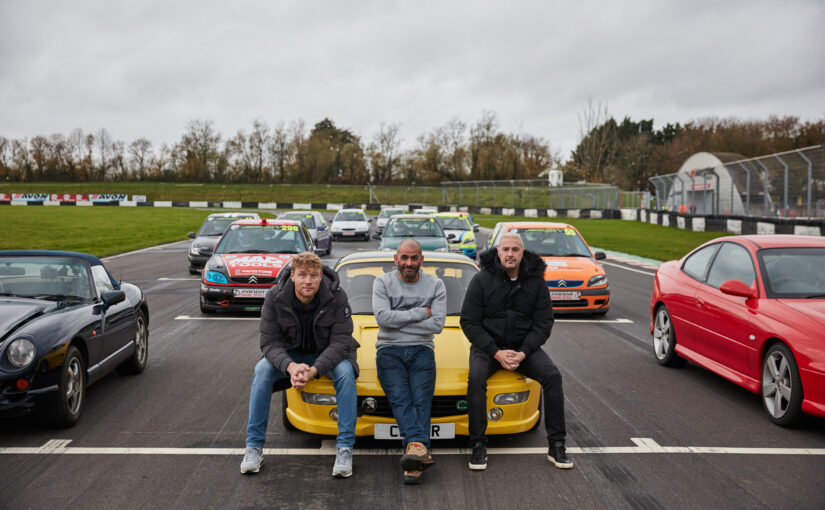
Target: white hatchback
pixel 350 224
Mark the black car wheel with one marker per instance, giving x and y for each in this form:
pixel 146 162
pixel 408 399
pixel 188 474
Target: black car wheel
pixel 192 270
pixel 664 340
pixel 781 386
pixel 66 406
pixel 137 362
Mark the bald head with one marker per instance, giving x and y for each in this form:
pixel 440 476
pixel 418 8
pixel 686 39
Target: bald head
pixel 409 244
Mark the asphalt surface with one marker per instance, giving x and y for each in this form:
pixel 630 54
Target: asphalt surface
pixel 642 436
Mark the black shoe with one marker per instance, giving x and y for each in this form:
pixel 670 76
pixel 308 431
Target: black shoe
pixel 478 459
pixel 558 456
pixel 413 477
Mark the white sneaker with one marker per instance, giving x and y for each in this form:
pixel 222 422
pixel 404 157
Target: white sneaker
pixel 252 459
pixel 343 463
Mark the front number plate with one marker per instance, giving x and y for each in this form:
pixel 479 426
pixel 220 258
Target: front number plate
pixel 565 296
pixel 437 431
pixel 249 293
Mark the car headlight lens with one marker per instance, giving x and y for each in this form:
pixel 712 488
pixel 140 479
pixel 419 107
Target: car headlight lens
pixel 21 352
pixel 599 279
pixel 511 398
pixel 215 277
pixel 194 250
pixel 321 399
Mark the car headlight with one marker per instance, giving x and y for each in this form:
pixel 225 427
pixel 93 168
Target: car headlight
pixel 441 249
pixel 194 250
pixel 215 277
pixel 321 399
pixel 599 279
pixel 511 398
pixel 21 352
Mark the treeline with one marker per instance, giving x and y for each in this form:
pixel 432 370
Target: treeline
pixel 627 153
pixel 283 154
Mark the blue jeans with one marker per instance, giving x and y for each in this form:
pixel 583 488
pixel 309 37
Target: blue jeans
pixel 260 397
pixel 407 375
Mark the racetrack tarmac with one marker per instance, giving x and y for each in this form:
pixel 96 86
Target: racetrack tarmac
pixel 642 436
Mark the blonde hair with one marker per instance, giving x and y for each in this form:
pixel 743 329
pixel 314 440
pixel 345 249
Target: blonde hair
pixel 307 261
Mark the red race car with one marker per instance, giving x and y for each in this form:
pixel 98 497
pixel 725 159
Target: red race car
pixel 752 309
pixel 247 260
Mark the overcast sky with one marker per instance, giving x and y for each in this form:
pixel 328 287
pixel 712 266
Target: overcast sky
pixel 146 68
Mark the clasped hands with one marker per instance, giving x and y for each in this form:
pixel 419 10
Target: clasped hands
pixel 510 359
pixel 300 374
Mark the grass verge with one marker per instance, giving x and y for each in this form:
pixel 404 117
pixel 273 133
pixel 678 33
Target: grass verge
pixel 105 231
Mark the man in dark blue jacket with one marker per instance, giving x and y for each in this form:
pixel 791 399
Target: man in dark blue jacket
pixel 507 316
pixel 306 332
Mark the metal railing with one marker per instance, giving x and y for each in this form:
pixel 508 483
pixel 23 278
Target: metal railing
pixel 788 184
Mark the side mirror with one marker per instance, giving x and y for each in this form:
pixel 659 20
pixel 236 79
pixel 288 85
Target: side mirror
pixel 599 255
pixel 475 227
pixel 191 235
pixel 319 251
pixel 450 236
pixel 112 298
pixel 321 228
pixel 369 220
pixel 738 288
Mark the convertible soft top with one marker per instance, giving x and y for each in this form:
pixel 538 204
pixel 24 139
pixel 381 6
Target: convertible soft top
pixel 91 259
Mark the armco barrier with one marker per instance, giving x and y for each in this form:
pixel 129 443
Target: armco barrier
pixel 699 223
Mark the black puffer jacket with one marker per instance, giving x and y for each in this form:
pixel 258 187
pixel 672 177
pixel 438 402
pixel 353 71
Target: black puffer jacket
pixel 500 314
pixel 280 328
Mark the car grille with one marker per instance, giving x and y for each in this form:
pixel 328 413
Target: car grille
pixel 245 280
pixel 567 284
pixel 442 406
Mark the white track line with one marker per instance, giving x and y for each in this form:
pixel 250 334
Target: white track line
pixel 620 266
pixel 643 445
pixel 188 318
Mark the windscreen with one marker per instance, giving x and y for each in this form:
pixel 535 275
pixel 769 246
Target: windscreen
pixel 45 278
pixel 262 239
pixel 414 227
pixel 553 242
pixel 305 218
pixel 357 279
pixel 453 223
pixel 386 213
pixel 794 273
pixel 215 226
pixel 350 216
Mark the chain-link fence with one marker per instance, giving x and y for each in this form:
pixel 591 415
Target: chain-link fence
pixel 789 185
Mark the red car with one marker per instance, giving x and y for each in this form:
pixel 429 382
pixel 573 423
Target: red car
pixel 247 260
pixel 752 309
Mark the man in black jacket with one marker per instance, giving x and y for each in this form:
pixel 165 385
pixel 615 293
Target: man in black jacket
pixel 507 316
pixel 306 332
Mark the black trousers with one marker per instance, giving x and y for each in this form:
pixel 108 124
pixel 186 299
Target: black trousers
pixel 537 366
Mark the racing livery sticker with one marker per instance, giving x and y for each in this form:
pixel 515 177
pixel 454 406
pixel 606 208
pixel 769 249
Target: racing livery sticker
pixel 261 265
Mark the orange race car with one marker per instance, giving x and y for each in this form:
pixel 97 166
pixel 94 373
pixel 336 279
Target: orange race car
pixel 576 281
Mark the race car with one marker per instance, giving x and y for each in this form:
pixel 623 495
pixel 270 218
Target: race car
pixel 459 231
pixel 247 261
pixel 512 399
pixel 577 282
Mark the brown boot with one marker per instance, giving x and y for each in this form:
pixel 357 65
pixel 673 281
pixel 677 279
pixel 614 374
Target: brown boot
pixel 412 477
pixel 416 457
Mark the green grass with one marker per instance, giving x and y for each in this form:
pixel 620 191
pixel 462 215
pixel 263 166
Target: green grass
pixel 105 231
pixel 101 231
pixel 632 237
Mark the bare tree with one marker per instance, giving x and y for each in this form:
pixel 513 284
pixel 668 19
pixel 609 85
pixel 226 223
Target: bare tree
pixel 383 154
pixel 140 152
pixel 279 152
pixel 597 140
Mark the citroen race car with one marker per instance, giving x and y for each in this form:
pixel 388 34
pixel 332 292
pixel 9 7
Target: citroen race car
pixel 576 280
pixel 459 231
pixel 512 399
pixel 247 261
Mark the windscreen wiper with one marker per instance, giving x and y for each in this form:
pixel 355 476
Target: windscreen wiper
pixel 815 296
pixel 59 297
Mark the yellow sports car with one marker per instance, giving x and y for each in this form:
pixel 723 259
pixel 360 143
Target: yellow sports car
pixel 512 399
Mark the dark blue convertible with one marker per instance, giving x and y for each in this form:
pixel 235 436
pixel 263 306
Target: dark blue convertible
pixel 64 323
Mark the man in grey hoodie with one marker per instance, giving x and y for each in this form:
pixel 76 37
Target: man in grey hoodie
pixel 410 308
